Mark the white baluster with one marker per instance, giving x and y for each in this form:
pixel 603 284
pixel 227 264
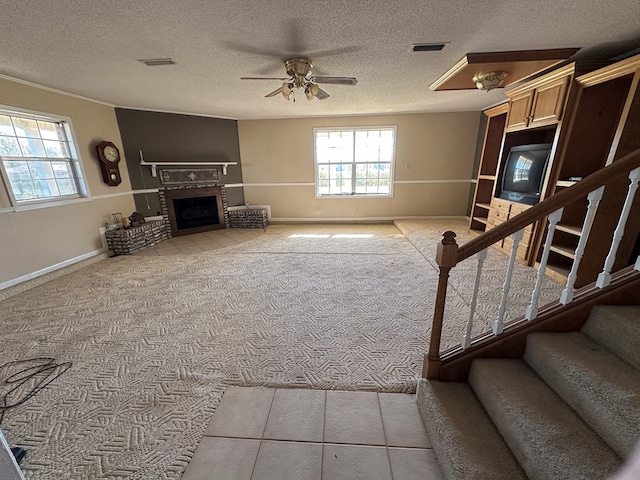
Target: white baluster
pixel 604 278
pixel 594 200
pixel 532 310
pixel 637 265
pixel 498 325
pixel 466 341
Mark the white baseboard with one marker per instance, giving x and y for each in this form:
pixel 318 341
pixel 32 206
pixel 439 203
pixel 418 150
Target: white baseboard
pixel 361 219
pixel 50 269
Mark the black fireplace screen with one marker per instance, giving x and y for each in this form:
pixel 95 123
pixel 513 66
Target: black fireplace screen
pixel 196 212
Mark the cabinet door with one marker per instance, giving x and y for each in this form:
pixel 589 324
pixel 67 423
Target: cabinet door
pixel 519 108
pixel 548 102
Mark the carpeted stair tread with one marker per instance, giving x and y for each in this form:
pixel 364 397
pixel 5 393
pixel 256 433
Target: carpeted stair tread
pixel 617 328
pixel 465 441
pixel 546 436
pixel 603 389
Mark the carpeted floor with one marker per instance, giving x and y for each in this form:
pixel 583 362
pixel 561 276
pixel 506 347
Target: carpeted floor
pixel 155 340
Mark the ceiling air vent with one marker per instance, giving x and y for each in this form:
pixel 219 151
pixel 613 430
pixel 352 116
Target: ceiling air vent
pixel 156 62
pixel 427 47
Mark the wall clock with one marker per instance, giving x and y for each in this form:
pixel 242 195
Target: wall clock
pixel 109 157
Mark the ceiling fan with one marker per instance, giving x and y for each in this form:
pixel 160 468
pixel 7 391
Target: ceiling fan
pixel 300 71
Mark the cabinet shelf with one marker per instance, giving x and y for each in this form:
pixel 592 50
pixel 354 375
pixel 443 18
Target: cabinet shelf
pixel 486 177
pixel 572 229
pixel 480 219
pixel 565 183
pixel 565 251
pixel 486 206
pixel 558 272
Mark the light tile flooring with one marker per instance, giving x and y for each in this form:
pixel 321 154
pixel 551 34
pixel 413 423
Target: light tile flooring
pixel 280 434
pixel 202 242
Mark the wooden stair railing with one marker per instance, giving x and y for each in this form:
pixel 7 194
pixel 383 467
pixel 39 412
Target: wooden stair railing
pixel 449 254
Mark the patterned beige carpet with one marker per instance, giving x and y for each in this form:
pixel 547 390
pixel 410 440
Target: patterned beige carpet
pixel 155 340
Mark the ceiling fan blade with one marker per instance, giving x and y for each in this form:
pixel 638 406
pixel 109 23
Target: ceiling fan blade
pixel 274 93
pixel 321 94
pixel 335 80
pixel 295 33
pixel 335 51
pixel 282 79
pixel 252 49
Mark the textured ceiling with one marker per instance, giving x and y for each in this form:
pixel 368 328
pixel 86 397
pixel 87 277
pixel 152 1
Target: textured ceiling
pixel 92 49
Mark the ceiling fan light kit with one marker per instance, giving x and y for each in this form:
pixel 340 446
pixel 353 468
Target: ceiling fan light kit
pixel 489 81
pixel 287 90
pixel 300 71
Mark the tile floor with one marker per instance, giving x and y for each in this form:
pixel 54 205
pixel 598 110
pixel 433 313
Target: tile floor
pixel 280 434
pixel 202 242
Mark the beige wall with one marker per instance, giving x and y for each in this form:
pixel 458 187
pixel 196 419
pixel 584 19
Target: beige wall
pixel 38 239
pixel 434 162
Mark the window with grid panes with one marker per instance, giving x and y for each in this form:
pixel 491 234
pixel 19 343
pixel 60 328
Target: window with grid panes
pixel 354 161
pixel 38 158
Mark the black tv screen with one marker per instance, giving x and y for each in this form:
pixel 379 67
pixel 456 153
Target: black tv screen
pixel 523 173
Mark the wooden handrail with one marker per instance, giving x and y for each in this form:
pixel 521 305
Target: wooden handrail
pixel 617 169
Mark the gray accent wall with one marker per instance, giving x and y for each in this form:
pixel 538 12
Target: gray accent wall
pixel 171 137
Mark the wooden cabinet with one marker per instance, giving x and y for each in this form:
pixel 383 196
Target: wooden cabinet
pixel 535 114
pixel 524 248
pixel 502 210
pixel 548 102
pixel 604 124
pixel 487 170
pixel 540 102
pixel 520 111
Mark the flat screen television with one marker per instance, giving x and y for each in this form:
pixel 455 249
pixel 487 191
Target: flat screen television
pixel 523 173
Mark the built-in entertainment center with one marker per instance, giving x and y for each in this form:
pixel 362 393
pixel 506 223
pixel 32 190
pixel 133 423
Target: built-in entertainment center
pixel 555 130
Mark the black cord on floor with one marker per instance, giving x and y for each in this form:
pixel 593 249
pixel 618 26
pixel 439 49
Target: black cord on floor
pixel 35 374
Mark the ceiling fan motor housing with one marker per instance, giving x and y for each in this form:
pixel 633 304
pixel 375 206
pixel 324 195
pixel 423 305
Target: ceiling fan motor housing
pixel 298 66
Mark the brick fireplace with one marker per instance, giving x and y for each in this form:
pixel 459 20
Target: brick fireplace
pixel 196 208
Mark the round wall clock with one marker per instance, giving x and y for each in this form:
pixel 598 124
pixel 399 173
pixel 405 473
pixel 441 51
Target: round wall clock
pixel 109 157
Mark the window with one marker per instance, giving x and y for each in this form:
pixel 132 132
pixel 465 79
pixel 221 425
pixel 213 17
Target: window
pixel 354 161
pixel 38 158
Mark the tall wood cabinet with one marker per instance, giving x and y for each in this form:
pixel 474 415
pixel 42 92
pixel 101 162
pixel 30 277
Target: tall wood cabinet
pixel 590 117
pixel 603 126
pixel 488 169
pixel 533 115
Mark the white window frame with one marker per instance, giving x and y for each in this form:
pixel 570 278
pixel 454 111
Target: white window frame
pixel 74 162
pixel 353 194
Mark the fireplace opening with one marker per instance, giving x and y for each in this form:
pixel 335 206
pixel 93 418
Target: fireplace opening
pixel 195 212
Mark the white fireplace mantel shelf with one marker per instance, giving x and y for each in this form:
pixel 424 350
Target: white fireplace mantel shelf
pixel 154 165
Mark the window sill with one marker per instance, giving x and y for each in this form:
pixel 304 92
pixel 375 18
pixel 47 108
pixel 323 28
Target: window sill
pixel 356 195
pixel 36 205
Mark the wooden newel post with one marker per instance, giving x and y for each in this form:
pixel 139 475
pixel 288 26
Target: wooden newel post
pixel 446 258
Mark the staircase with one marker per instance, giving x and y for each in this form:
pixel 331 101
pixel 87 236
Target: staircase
pixel 568 409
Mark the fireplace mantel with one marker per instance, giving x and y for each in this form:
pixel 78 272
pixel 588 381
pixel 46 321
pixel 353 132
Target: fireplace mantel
pixel 154 165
